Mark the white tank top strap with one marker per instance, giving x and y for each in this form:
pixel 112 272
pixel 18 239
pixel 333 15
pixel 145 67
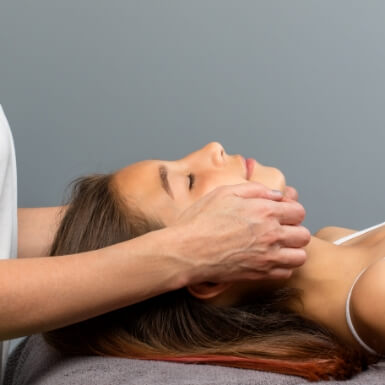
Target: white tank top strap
pixel 347 312
pixel 357 234
pixel 350 322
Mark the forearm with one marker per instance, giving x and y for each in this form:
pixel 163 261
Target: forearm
pixel 36 230
pixel 42 294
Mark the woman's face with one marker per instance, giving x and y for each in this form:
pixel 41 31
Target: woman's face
pixel 163 189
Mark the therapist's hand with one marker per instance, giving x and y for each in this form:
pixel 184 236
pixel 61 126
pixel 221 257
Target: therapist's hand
pixel 291 193
pixel 241 232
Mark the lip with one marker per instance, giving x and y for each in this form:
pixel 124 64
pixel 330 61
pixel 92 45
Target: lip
pixel 250 163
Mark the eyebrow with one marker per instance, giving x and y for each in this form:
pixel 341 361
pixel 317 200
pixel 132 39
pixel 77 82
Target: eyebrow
pixel 163 172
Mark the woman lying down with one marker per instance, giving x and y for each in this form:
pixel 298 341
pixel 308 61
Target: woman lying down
pixel 326 321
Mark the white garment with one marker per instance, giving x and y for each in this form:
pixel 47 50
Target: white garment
pixel 8 209
pixel 347 306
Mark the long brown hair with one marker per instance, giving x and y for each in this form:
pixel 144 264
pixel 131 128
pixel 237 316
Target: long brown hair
pixel 175 326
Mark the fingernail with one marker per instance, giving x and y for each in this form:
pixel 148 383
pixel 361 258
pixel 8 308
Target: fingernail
pixel 277 193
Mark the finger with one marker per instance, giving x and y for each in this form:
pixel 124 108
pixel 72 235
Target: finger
pixel 291 193
pixel 288 213
pixel 290 258
pixel 294 236
pixel 279 273
pixel 254 190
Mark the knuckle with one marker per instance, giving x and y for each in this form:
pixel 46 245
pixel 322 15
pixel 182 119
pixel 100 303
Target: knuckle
pixel 271 259
pixel 270 237
pixel 267 266
pixel 265 209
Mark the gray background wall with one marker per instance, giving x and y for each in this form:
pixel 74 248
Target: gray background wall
pixel 89 86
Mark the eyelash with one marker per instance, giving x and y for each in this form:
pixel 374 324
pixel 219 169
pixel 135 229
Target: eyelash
pixel 192 180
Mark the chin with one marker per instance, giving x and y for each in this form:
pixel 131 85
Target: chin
pixel 271 177
pixel 281 180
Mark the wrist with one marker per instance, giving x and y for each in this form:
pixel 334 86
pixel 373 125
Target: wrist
pixel 165 252
pixel 185 250
pixel 174 249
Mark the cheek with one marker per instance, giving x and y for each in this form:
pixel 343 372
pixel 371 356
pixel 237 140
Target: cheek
pixel 203 186
pixel 211 182
pixel 159 207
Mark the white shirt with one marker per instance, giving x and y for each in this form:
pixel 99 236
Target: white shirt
pixel 8 209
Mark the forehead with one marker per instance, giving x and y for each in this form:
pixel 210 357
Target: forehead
pixel 137 178
pixel 141 182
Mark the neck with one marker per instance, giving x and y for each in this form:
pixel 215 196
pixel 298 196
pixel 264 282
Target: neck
pixel 316 274
pixel 327 276
pixel 327 265
pixel 325 280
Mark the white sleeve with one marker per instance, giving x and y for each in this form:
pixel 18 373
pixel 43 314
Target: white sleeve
pixel 8 210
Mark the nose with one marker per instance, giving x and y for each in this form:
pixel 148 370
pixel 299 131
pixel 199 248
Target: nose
pixel 216 152
pixel 211 155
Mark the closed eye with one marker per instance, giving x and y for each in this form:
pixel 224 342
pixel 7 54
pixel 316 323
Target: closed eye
pixel 192 181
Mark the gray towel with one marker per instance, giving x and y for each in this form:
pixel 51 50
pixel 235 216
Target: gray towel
pixel 34 362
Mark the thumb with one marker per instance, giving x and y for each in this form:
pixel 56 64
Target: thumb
pixel 255 190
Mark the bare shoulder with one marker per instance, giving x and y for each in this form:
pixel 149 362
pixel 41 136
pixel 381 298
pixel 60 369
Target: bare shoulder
pixel 368 306
pixel 332 233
